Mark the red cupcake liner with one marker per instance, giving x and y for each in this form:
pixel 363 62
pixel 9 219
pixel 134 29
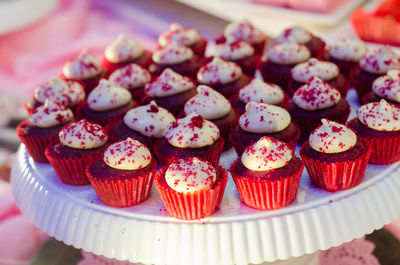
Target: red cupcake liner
pixel 191 206
pixel 123 192
pixel 384 150
pixel 336 175
pixel 264 194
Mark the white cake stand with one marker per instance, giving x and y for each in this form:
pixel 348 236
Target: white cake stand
pixel 236 234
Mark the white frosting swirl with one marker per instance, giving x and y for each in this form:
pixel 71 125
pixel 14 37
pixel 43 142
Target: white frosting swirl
pixel 315 95
pixel 260 91
pixel 190 175
pixel 348 49
pixel 380 61
pixel 208 103
pixel 127 155
pixel 313 67
pixel 388 86
pixel 130 76
pixel 192 131
pixel 84 66
pixel 266 154
pixel 167 84
pixel 172 54
pixel 332 137
pixel 107 96
pixel 244 31
pixel 150 120
pixel 380 116
pixel 123 49
pixel 83 135
pixel 299 34
pixel 288 52
pixel 219 71
pixel 264 118
pixel 234 50
pixel 50 114
pixel 181 35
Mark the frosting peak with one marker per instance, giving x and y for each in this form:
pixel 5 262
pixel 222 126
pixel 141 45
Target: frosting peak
pixel 123 49
pixel 130 76
pixel 50 114
pixel 181 35
pixel 234 50
pixel 259 91
pixel 380 116
pixel 83 135
pixel 218 72
pixel 107 96
pixel 299 34
pixel 172 54
pixel 313 67
pixel 288 52
pixel 84 66
pixel 348 49
pixel 388 86
pixel 244 31
pixel 380 61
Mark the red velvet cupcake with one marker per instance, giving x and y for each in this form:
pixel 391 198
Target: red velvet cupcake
pixel 267 175
pixel 261 120
pixel 223 76
pixel 335 157
pixel 261 92
pixel 80 144
pixel 315 101
pixel 327 71
pixel 191 188
pixel 85 69
pixel 191 136
pixel 132 77
pixel 106 103
pixel 124 176
pixel 124 51
pixel 379 124
pixel 42 128
pixel 144 123
pixel 187 37
pixel 385 87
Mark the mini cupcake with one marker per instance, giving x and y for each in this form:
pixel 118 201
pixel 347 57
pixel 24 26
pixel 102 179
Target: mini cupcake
pixel 335 157
pixel 267 175
pixel 327 71
pixel 80 144
pixel 280 58
pixel 170 91
pixel 124 176
pixel 145 123
pixel 261 120
pixel 345 53
pixel 214 107
pixel 124 51
pixel 85 69
pixel 107 102
pixel 385 87
pixel 191 136
pixel 132 77
pixel 42 128
pixel 379 123
pixel 239 52
pixel 371 66
pixel 223 76
pixel 178 58
pixel 315 101
pixel 67 93
pixel 187 37
pixel 191 188
pixel 312 42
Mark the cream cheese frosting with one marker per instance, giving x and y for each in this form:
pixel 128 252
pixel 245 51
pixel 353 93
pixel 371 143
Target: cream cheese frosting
pixel 50 114
pixel 313 67
pixel 83 135
pixel 190 175
pixel 130 76
pixel 123 49
pixel 219 71
pixel 260 91
pixel 245 31
pixel 192 131
pixel 388 86
pixel 129 154
pixel 266 154
pixel 348 49
pixel 234 50
pixel 167 84
pixel 288 52
pixel 380 61
pixel 380 116
pixel 84 66
pixel 181 35
pixel 332 137
pixel 264 118
pixel 316 95
pixel 299 34
pixel 208 103
pixel 108 96
pixel 150 120
pixel 172 54
pixel 68 93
